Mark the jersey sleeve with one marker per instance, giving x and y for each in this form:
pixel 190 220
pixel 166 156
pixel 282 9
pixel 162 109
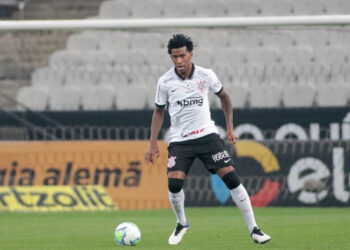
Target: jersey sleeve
pixel 214 83
pixel 161 94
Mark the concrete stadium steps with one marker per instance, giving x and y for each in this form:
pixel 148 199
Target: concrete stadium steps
pixel 62 9
pixel 22 52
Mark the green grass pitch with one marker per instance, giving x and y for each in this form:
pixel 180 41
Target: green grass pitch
pixel 210 228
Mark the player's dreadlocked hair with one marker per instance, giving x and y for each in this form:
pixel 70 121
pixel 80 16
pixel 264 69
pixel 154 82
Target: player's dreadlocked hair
pixel 179 41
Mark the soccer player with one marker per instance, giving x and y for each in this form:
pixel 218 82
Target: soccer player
pixel 184 89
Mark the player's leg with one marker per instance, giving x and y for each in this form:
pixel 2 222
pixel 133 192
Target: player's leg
pixel 177 170
pixel 240 196
pixel 217 160
pixel 176 195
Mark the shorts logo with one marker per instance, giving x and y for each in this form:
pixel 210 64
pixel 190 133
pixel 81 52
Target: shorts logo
pixel 219 156
pixel 171 161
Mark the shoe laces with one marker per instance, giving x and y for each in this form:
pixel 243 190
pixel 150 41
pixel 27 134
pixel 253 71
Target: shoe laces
pixel 178 229
pixel 257 231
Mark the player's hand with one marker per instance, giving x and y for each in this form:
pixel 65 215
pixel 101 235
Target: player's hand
pixel 152 152
pixel 232 137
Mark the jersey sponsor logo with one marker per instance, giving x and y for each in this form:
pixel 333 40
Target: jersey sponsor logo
pixel 219 156
pixel 191 101
pixel 171 161
pixel 194 132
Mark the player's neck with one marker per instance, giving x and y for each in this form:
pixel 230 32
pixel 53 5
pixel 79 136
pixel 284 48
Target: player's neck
pixel 187 74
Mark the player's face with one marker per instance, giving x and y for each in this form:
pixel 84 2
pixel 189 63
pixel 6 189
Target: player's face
pixel 182 60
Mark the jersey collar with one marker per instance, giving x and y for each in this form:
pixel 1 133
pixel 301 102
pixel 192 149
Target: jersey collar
pixel 189 77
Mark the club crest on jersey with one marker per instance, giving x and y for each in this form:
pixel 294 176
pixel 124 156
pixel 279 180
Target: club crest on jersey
pixel 201 85
pixel 171 161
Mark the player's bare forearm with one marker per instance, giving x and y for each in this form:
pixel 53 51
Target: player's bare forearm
pixel 157 122
pixel 227 108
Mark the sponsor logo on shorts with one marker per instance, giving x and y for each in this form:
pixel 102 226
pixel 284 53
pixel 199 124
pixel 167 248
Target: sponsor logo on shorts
pixel 171 161
pixel 194 132
pixel 219 156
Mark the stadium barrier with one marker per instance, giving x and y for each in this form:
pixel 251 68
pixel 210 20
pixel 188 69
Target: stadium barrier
pixel 174 22
pixel 313 124
pixel 119 167
pixel 298 173
pixel 292 173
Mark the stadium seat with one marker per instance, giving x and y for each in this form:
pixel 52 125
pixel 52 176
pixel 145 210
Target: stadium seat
pixel 238 94
pixel 203 57
pixel 265 95
pixel 33 97
pixel 64 60
pixel 332 54
pixel 146 9
pixel 314 7
pixel 245 39
pixel 65 98
pixel 115 9
pixel 146 41
pixel 279 39
pixel 243 8
pixel 133 97
pixel 217 40
pixel 82 78
pixel 332 94
pixel 114 41
pixel 46 77
pixel 208 8
pixel 130 57
pixel 311 37
pixel 84 41
pixel 276 8
pixel 263 55
pixel 97 60
pixel 233 56
pixel 113 78
pixel 98 97
pixel 337 7
pixel 179 8
pixel 298 95
pixel 297 55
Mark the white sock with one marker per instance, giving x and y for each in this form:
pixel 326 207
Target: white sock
pixel 177 201
pixel 241 198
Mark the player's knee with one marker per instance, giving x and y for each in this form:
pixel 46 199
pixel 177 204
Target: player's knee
pixel 231 180
pixel 175 184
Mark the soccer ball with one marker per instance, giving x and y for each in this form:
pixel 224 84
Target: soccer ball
pixel 127 234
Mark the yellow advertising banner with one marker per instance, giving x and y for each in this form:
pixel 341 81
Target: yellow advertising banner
pixel 118 166
pixel 55 198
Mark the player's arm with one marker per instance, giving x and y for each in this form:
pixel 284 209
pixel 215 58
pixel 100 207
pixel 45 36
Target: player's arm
pixel 157 122
pixel 227 108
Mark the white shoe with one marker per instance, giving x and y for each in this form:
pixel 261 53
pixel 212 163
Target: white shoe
pixel 259 236
pixel 176 237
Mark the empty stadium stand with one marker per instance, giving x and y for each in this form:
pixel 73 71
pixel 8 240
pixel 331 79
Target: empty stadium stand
pixel 260 67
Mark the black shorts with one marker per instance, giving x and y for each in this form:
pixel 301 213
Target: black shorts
pixel 210 149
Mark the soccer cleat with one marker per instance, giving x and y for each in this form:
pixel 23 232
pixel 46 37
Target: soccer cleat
pixel 176 237
pixel 259 236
